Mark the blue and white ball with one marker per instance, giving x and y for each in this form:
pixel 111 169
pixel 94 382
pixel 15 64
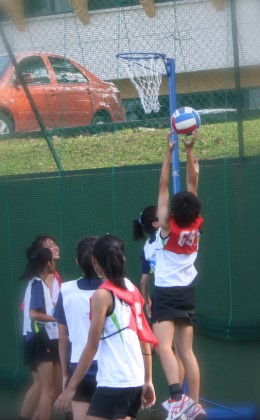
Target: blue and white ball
pixel 185 120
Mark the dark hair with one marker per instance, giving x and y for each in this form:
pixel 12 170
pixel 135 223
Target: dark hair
pixel 185 208
pixel 84 252
pixel 37 243
pixel 36 262
pixel 109 252
pixel 145 223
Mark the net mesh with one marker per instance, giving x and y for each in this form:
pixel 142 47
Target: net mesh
pixel 145 72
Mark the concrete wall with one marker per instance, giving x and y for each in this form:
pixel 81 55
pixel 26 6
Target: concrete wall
pixel 194 32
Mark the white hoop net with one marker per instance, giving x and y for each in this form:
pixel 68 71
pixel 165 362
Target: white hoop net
pixel 145 72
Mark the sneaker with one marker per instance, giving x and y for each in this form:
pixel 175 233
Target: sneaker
pixel 177 408
pixel 166 405
pixel 196 412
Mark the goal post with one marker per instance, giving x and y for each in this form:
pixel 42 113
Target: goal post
pixel 145 71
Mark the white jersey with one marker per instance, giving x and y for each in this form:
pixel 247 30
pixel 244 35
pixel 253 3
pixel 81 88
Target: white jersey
pixel 150 250
pixel 76 304
pixel 173 269
pixel 120 361
pixel 28 325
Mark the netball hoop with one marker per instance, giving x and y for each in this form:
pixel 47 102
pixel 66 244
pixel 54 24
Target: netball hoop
pixel 145 71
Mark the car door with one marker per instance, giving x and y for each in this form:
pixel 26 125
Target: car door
pixel 40 87
pixel 73 100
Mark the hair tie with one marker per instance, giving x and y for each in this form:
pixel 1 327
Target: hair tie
pixel 33 257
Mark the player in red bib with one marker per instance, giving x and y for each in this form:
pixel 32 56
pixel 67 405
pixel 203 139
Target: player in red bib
pixel 173 307
pixel 122 336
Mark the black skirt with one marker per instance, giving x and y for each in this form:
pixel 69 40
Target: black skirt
pixel 173 303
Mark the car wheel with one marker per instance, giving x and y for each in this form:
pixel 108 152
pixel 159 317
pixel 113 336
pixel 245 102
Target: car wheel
pixel 6 125
pixel 101 118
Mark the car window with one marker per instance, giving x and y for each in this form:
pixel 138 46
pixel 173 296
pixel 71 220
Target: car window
pixel 4 63
pixel 35 66
pixel 66 72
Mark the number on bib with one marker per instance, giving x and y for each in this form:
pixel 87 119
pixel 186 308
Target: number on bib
pixel 187 237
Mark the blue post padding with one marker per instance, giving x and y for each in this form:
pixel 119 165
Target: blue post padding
pixel 176 182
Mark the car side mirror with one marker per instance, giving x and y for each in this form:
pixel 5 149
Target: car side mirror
pixel 28 78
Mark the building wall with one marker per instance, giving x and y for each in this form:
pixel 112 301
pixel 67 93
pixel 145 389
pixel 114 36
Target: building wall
pixel 194 32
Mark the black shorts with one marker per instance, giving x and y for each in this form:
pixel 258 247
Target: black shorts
pixel 39 349
pixel 115 403
pixel 85 391
pixel 87 386
pixel 173 303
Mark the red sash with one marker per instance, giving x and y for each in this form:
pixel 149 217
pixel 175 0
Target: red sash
pixel 58 277
pixel 138 321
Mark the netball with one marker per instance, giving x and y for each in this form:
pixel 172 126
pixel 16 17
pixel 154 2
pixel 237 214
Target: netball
pixel 185 120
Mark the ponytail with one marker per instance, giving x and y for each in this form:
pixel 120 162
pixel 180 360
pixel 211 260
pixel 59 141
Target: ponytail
pixel 144 225
pixel 84 256
pixel 138 230
pixel 109 252
pixel 36 262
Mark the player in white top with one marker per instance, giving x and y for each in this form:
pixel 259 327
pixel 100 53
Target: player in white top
pixel 147 225
pixel 73 314
pixel 31 399
pixel 40 328
pixel 120 330
pixel 173 298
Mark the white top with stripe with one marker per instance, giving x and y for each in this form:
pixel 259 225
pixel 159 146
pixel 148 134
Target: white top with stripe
pixel 51 327
pixel 120 363
pixel 150 250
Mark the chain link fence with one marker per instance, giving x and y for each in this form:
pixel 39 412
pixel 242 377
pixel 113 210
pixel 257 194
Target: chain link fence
pixel 79 154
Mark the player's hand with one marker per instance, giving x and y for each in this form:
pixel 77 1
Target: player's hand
pixel 148 308
pixel 189 141
pixel 148 395
pixel 64 400
pixel 171 144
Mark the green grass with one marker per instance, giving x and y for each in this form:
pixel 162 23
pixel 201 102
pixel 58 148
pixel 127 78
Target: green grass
pixel 139 146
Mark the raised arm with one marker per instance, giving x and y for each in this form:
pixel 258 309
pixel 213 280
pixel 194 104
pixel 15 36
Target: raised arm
pixel 192 165
pixel 164 196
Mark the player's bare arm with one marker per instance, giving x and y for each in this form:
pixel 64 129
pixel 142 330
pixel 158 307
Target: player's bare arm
pixel 64 353
pixel 144 284
pixel 164 196
pixel 192 166
pixel 41 317
pixel 148 393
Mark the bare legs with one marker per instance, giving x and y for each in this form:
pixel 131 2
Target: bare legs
pixel 50 376
pixel 182 333
pixel 31 399
pixel 79 410
pixel 184 340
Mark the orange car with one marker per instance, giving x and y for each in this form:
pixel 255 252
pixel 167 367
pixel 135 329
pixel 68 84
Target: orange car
pixel 65 93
